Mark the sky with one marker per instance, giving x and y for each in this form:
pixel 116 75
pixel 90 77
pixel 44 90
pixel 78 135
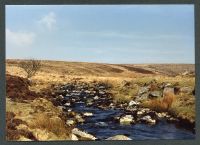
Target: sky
pixel 130 34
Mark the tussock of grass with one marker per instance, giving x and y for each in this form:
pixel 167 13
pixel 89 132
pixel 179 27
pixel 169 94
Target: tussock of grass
pixel 54 125
pixel 160 104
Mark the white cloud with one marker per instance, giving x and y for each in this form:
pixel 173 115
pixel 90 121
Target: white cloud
pixel 48 21
pixel 19 39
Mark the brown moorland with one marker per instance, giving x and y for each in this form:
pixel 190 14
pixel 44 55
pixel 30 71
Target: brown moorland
pixel 59 72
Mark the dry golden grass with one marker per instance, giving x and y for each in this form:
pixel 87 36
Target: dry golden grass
pixel 55 125
pixel 160 104
pixel 56 72
pixel 124 94
pixel 42 118
pixel 12 128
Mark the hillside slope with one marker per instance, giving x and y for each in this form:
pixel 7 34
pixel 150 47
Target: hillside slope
pixel 114 70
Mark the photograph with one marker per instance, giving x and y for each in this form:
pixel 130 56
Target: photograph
pixel 100 72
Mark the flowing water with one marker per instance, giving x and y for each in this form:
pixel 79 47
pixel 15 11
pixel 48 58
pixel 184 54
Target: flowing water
pixel 101 126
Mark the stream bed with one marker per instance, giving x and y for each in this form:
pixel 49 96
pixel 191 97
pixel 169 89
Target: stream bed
pixel 102 122
pixel 101 126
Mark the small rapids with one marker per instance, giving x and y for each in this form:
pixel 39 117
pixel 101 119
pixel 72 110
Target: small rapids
pixel 102 126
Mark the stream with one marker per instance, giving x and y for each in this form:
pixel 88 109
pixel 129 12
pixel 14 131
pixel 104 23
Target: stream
pixel 94 98
pixel 101 126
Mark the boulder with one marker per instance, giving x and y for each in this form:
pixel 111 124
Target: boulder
pixel 111 105
pixel 81 135
pixel 88 114
pixel 70 122
pixel 102 92
pixel 79 118
pixel 87 91
pixel 60 97
pixel 133 110
pixel 22 138
pixel 127 119
pixel 68 95
pixel 155 94
pixel 142 111
pixel 67 104
pixel 69 110
pixel 96 97
pixel 74 137
pixel 161 115
pixel 168 90
pixel 133 103
pixel 119 137
pixel 148 119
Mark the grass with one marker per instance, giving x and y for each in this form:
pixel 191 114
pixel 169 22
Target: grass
pixel 180 105
pixel 124 93
pixel 55 125
pixel 12 133
pixel 184 107
pixel 182 81
pixel 120 98
pixel 160 104
pixel 40 115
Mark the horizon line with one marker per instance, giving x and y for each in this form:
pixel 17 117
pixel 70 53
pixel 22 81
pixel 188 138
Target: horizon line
pixel 96 62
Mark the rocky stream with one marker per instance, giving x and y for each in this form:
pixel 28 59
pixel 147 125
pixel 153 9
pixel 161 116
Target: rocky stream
pixel 91 110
